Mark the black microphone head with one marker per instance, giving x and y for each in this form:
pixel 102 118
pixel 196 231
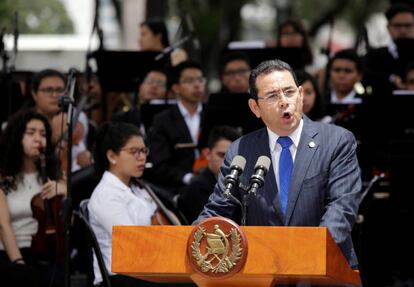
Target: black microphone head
pixel 238 161
pixel 263 162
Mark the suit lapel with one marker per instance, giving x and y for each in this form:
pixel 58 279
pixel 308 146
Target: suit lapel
pixel 306 150
pixel 181 125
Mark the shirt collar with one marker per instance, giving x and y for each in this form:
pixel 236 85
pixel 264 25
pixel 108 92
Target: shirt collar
pixel 351 98
pixel 184 112
pixel 115 181
pixel 393 50
pixel 294 136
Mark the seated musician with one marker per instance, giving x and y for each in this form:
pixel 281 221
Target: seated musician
pixel 235 71
pixel 23 176
pixel 119 198
pixel 344 101
pixel 47 86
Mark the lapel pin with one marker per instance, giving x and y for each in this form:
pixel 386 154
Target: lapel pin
pixel 312 144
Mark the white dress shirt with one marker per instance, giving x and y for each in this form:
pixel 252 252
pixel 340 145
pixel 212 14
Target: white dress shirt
pixel 276 148
pixel 114 203
pixel 192 121
pixel 351 98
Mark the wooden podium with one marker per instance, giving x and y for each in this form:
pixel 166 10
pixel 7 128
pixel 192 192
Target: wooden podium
pixel 282 255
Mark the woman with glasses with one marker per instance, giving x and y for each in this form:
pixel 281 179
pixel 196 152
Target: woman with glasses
pixel 119 198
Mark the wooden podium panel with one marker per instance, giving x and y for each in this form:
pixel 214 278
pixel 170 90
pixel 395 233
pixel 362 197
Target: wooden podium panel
pixel 283 255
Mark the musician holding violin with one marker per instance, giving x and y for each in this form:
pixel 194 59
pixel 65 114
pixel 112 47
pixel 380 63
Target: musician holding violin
pixel 120 198
pixel 25 140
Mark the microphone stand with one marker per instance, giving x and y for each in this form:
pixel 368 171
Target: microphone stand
pixel 67 101
pixel 246 196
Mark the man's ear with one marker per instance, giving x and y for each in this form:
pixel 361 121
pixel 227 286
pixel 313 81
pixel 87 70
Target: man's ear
pixel 206 152
pixel 254 107
pixel 175 88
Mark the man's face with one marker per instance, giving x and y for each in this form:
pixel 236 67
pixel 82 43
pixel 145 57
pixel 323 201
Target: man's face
pixel 344 75
pixel 191 86
pixel 309 96
pixel 47 95
pixel 153 87
pixel 409 80
pixel 401 26
pixel 236 76
pixel 215 155
pixel 279 102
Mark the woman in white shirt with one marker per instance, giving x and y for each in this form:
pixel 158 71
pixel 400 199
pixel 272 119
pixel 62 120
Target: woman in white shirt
pixel 120 156
pixel 26 139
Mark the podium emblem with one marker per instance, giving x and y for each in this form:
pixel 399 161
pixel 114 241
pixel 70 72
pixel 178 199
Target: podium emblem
pixel 217 248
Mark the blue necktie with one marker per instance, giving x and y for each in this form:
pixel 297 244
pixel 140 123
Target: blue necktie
pixel 285 171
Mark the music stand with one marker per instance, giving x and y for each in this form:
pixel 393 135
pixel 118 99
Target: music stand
pixel 295 57
pixel 123 71
pixel 118 71
pixel 228 109
pixel 11 94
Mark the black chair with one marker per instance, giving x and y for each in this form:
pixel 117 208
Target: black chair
pixel 83 214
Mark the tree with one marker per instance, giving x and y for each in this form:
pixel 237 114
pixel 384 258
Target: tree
pixel 36 17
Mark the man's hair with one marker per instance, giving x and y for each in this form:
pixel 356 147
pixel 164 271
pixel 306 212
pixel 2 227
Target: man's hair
pixel 233 56
pixel 222 132
pixel 177 70
pixel 350 55
pixel 397 9
pixel 266 68
pixel 47 73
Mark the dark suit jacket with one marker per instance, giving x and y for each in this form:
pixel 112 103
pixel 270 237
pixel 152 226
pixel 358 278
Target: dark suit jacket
pixel 170 149
pixel 193 198
pixel 325 187
pixel 379 65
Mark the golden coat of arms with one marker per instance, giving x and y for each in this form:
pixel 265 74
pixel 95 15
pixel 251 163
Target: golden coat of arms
pixel 217 248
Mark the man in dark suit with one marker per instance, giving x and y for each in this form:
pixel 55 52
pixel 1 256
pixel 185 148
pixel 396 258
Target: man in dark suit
pixel 385 66
pixel 324 186
pixel 174 134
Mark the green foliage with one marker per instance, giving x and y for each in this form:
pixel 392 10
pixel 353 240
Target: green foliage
pixel 355 12
pixel 36 16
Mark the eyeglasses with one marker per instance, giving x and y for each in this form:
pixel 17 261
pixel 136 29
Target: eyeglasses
pixel 190 81
pixel 156 83
pixel 402 25
pixel 136 151
pixel 51 90
pixel 239 72
pixel 344 70
pixel 274 97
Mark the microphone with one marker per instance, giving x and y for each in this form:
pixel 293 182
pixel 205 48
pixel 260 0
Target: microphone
pixel 72 73
pixel 260 171
pixel 190 25
pixel 232 179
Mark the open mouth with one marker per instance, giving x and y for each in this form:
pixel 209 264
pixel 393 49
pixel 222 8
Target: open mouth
pixel 286 115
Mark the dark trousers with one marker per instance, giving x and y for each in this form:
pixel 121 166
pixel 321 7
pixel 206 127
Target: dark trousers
pixel 33 273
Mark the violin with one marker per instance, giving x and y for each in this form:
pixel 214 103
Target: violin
pixel 48 242
pixel 162 215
